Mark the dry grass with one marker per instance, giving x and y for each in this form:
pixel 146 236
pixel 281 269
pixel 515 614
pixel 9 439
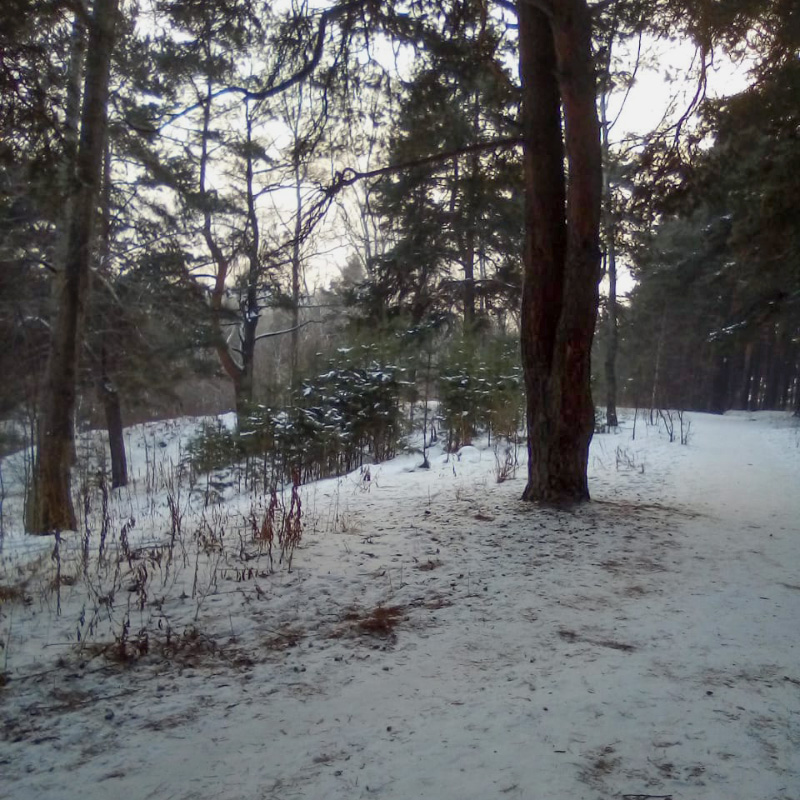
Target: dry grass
pixel 284 639
pixel 13 594
pixel 380 622
pixel 189 650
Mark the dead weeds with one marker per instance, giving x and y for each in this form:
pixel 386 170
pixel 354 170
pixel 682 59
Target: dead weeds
pixel 284 639
pixel 379 623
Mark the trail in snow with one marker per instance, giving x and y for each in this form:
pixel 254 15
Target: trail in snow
pixel 642 645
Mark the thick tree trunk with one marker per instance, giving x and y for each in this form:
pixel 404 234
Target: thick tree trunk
pixel 72 119
pixel 52 508
pixel 562 254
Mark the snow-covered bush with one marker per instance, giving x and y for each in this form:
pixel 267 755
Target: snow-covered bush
pixel 352 413
pixel 346 415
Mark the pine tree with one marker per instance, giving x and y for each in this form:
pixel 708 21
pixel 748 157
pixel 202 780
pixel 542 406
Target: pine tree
pixel 562 252
pixel 51 507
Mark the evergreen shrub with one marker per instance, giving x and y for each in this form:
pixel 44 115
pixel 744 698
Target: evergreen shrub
pixel 480 390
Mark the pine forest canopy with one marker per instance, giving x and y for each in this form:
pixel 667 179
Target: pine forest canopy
pixel 195 158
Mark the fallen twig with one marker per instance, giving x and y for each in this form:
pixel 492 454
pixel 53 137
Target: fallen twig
pixel 647 797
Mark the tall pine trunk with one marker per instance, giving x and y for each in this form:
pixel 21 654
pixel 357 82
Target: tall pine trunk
pixel 562 254
pixel 52 508
pixel 107 389
pixel 610 242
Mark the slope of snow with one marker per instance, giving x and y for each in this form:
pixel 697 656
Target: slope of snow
pixel 436 638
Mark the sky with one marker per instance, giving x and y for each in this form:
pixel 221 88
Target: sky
pixel 666 83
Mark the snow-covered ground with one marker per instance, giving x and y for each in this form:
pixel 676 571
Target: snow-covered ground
pixel 436 638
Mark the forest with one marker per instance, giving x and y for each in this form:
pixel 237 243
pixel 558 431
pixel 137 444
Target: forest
pixel 399 399
pixel 352 221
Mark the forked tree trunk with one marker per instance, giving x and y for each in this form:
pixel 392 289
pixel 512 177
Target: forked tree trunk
pixel 562 253
pixel 52 508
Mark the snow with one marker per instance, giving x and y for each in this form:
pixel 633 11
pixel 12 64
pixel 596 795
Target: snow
pixel 642 645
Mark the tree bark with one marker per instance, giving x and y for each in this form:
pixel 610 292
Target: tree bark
pixel 718 400
pixel 562 254
pixel 222 267
pixel 116 440
pixel 752 393
pixel 109 394
pixel 296 272
pixel 609 237
pixel 469 249
pixel 250 308
pixel 52 508
pixel 776 361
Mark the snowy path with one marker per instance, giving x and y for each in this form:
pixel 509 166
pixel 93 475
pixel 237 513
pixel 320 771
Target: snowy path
pixel 743 473
pixel 731 626
pixel 645 645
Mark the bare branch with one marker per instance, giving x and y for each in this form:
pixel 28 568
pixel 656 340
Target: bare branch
pixel 270 334
pixel 349 176
pixel 306 70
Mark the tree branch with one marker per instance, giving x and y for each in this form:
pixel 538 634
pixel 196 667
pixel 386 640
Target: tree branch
pixel 270 334
pixel 326 16
pixel 545 6
pixel 349 176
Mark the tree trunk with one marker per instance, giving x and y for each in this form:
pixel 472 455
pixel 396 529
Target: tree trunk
pixel 776 360
pixel 68 184
pixel 718 402
pixel 753 377
pixel 562 254
pixel 109 395
pixel 609 237
pixel 296 274
pixel 743 396
pixel 789 371
pixel 472 223
pixel 52 508
pixel 250 309
pixel 469 276
pixel 116 441
pixel 222 265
